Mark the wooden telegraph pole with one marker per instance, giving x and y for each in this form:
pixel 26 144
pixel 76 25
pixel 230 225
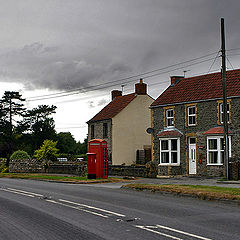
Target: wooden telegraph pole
pixel 224 87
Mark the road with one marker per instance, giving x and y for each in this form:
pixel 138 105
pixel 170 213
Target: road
pixel 42 210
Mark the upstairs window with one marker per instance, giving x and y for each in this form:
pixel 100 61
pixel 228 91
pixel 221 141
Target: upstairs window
pixel 92 132
pixel 169 117
pixel 221 112
pixel 191 111
pixel 105 130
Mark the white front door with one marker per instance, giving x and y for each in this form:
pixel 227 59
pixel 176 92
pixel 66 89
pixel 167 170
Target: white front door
pixel 192 158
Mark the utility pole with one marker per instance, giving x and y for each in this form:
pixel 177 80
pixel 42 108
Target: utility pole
pixel 224 87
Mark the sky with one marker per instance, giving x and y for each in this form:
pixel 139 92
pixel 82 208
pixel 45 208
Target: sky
pixel 73 53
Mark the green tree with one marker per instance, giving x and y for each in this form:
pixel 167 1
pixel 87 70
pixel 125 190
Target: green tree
pixel 81 148
pixel 39 125
pixel 47 152
pixel 11 112
pixel 66 143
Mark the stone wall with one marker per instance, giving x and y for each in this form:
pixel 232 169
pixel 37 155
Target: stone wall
pixel 207 117
pixel 25 166
pixel 34 166
pixel 133 171
pixel 79 169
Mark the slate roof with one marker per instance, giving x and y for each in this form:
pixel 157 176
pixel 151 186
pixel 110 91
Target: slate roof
pixel 113 108
pixel 204 87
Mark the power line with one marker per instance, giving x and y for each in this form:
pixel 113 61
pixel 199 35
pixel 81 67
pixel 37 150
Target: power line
pixel 213 61
pixel 122 79
pixel 112 85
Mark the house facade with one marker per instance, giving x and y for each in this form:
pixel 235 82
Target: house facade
pixel 187 119
pixel 123 123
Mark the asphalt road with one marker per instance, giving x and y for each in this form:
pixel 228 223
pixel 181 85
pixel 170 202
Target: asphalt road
pixel 43 210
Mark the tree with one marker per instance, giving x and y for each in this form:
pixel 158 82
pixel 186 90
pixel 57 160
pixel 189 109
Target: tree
pixel 39 125
pixel 66 143
pixel 81 148
pixel 47 151
pixel 11 113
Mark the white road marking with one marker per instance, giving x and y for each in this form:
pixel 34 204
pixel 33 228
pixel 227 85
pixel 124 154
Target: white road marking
pixel 159 233
pixel 182 232
pixel 80 209
pixel 95 208
pixel 20 193
pixel 35 194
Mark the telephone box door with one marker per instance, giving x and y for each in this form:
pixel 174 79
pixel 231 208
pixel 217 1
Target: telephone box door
pixel 91 165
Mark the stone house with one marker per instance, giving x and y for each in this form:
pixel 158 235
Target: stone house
pixel 123 123
pixel 187 119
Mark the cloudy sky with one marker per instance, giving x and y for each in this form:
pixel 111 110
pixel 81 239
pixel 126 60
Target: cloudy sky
pixel 83 49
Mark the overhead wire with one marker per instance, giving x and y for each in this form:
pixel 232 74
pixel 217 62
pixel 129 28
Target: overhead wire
pixel 123 79
pixel 97 87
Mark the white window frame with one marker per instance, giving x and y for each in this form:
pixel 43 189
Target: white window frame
pixel 221 112
pixel 170 118
pixel 191 115
pixel 169 151
pixel 218 150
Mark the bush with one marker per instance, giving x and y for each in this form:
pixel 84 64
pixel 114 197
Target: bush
pixel 20 155
pixel 47 152
pixel 3 168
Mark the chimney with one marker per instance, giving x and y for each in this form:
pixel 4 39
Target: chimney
pixel 141 88
pixel 116 93
pixel 176 79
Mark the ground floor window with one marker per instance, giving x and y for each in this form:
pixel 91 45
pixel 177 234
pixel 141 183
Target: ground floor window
pixel 215 150
pixel 169 151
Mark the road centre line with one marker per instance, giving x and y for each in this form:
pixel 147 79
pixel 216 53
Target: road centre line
pixel 182 232
pixel 80 209
pixel 35 194
pixel 20 193
pixel 95 208
pixel 159 233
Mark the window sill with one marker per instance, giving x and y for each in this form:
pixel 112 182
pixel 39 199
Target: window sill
pixel 169 164
pixel 217 164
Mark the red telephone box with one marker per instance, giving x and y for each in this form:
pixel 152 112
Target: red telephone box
pixel 97 158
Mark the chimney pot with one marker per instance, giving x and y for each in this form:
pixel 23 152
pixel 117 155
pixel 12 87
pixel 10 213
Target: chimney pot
pixel 141 88
pixel 116 93
pixel 174 79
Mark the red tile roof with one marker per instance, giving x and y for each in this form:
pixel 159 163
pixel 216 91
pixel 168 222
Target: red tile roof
pixel 198 88
pixel 216 130
pixel 169 133
pixel 113 108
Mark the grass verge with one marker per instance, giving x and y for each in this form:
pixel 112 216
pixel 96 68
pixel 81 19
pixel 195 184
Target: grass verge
pixel 200 191
pixel 60 178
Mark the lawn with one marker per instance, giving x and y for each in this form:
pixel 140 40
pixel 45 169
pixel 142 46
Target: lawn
pixel 203 192
pixel 60 178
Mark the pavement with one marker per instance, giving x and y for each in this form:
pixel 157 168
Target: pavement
pixel 185 180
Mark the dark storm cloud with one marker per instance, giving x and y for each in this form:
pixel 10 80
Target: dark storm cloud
pixel 80 43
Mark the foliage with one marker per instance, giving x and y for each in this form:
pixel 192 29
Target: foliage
pixel 3 168
pixel 20 155
pixel 38 125
pixel 81 148
pixel 47 151
pixel 11 113
pixel 66 142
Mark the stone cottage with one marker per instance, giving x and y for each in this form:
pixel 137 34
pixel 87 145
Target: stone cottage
pixel 123 123
pixel 187 119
